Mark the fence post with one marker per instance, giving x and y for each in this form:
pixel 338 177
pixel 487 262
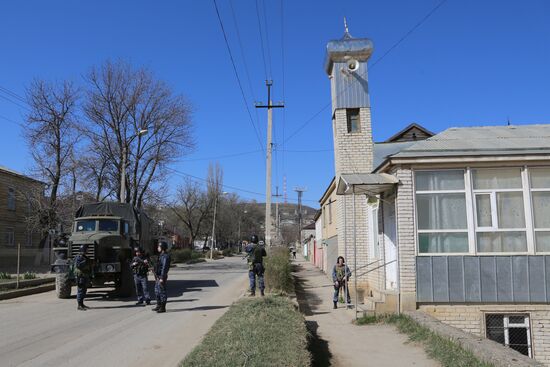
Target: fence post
pixel 18 264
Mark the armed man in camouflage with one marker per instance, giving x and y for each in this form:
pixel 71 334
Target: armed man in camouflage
pixel 140 268
pixel 256 254
pixel 83 272
pixel 161 277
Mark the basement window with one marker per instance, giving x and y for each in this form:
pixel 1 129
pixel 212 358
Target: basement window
pixel 510 330
pixel 352 115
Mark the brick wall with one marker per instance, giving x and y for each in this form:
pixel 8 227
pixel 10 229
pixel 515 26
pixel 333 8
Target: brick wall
pixel 406 237
pixel 353 154
pixel 471 318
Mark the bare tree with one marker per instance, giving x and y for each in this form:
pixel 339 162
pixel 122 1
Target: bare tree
pixel 122 102
pixel 51 137
pixel 193 206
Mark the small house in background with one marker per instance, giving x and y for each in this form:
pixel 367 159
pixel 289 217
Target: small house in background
pixel 455 224
pixel 15 209
pixel 308 240
pixel 319 251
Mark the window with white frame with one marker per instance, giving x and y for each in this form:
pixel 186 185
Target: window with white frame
pixel 540 199
pixel 510 330
pixel 441 211
pixel 499 210
pixel 330 212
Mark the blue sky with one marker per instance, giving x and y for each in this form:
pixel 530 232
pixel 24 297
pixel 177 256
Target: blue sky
pixel 471 63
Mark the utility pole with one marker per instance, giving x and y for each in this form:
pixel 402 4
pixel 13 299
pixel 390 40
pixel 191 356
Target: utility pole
pixel 300 191
pixel 269 150
pixel 277 221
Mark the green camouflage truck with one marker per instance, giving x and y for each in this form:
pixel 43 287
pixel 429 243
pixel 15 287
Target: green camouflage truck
pixel 110 230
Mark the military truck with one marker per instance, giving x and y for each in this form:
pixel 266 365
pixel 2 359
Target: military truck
pixel 110 230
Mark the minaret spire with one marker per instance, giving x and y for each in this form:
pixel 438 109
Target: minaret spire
pixel 346 30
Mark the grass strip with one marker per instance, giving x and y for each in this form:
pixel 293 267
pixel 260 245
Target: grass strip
pixel 442 349
pixel 266 331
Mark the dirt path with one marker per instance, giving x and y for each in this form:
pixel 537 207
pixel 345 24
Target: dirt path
pixel 337 342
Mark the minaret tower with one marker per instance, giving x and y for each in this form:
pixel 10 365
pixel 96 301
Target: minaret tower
pixel 346 66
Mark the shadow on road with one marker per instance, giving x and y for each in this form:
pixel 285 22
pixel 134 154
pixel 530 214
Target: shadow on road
pixel 175 288
pixel 199 308
pixel 308 303
pixel 133 305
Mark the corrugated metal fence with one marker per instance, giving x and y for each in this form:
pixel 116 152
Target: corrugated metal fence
pixel 482 279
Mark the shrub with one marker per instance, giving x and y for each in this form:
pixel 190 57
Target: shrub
pixel 185 255
pixel 278 270
pixel 4 275
pixel 227 252
pixel 29 275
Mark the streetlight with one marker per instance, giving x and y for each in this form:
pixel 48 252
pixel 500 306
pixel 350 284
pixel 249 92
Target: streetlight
pixel 141 132
pixel 214 222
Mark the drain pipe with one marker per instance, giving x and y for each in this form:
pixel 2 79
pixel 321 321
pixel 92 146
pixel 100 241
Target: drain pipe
pixel 398 262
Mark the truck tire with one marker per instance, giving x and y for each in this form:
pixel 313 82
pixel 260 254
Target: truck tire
pixel 62 285
pixel 125 286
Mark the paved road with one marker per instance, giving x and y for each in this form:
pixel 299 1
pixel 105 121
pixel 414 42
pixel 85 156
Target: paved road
pixel 41 330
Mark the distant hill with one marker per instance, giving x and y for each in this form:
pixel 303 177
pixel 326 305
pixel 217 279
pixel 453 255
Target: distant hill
pixel 289 213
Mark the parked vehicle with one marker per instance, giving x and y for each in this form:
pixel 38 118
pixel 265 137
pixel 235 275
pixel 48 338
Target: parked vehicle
pixel 110 230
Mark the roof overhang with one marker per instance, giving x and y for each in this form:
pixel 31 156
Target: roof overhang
pixel 365 183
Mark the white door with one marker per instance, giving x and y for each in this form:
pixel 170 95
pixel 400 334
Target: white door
pixel 390 249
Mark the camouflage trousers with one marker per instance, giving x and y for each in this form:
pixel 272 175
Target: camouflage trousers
pixel 160 291
pixel 81 288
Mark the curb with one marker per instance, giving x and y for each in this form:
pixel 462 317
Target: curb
pixel 27 291
pixel 484 349
pixel 28 282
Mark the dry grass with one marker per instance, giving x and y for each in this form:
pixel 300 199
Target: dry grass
pixel 266 331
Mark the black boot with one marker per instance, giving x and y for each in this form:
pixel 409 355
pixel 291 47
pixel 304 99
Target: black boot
pixel 262 292
pixel 81 306
pixel 162 308
pixel 157 307
pixel 335 305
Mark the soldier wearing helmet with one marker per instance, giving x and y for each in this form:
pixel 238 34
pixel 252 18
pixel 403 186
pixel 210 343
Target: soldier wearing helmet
pixel 161 277
pixel 83 272
pixel 140 268
pixel 256 254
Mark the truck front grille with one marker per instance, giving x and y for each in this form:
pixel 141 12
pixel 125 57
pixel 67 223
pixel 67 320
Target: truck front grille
pixel 75 250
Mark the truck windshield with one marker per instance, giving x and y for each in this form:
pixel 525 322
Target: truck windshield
pixel 85 225
pixel 108 225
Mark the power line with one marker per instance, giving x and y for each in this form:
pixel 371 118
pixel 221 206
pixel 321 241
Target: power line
pixel 12 121
pixel 247 73
pixel 13 94
pixel 14 102
pixel 261 38
pixel 267 40
pixel 393 47
pixel 237 74
pixel 221 156
pixel 308 151
pixel 414 28
pixel 283 84
pixel 200 179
